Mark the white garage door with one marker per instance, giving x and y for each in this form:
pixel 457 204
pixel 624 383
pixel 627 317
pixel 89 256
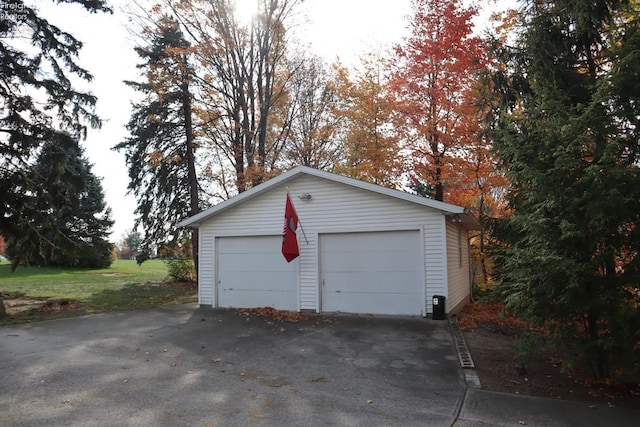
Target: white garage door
pixel 253 273
pixel 379 272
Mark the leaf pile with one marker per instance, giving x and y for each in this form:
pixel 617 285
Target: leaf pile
pixel 474 315
pixel 274 315
pixel 53 306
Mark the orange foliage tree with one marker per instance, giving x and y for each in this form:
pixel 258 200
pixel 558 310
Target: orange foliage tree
pixel 434 72
pixel 370 145
pixel 440 114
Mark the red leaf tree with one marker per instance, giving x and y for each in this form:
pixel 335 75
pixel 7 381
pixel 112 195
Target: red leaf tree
pixel 432 84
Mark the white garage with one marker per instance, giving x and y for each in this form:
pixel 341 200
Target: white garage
pixel 362 248
pixel 374 272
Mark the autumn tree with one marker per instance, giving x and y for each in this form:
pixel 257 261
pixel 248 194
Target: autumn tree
pixel 566 132
pixel 312 133
pixel 432 78
pixel 161 149
pixel 243 77
pixel 370 149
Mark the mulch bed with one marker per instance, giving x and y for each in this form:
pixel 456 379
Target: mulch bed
pixel 494 340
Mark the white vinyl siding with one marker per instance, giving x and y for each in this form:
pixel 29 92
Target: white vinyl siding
pixel 206 275
pixel 435 259
pixel 334 207
pixel 458 265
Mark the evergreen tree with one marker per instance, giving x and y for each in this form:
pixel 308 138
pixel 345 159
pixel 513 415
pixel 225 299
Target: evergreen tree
pixel 44 67
pixel 62 218
pixel 566 131
pixel 160 151
pixel 37 60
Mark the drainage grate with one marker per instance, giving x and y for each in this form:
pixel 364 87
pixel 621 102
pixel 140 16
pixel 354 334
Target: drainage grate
pixel 463 351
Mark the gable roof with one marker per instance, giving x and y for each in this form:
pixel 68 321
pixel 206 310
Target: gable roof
pixel 446 208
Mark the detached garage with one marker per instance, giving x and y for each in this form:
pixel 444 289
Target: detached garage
pixel 362 248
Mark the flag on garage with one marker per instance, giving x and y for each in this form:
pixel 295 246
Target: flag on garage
pixel 290 248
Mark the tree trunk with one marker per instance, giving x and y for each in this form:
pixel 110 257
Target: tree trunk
pixel 481 248
pixel 439 189
pixel 597 363
pixel 194 203
pixel 3 311
pixel 437 160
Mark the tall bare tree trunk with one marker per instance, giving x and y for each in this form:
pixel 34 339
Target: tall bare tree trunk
pixel 191 163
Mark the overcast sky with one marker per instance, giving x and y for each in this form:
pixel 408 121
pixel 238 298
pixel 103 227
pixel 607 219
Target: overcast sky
pixel 335 28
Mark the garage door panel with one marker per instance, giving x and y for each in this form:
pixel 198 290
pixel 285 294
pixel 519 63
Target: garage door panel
pixel 371 282
pixel 365 260
pixel 395 305
pixel 238 245
pixel 373 242
pixel 377 272
pixel 253 280
pixel 249 298
pixel 253 273
pixel 253 261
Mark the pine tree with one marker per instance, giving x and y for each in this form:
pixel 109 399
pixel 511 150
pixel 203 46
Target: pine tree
pixel 566 131
pixel 37 61
pixel 160 151
pixel 26 121
pixel 63 219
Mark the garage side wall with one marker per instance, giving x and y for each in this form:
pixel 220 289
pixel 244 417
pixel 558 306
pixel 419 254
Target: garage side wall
pixel 334 207
pixel 206 274
pixel 458 266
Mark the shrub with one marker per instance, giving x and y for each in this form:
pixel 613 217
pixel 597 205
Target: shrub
pixel 181 269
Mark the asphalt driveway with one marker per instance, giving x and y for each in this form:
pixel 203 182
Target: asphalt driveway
pixel 186 366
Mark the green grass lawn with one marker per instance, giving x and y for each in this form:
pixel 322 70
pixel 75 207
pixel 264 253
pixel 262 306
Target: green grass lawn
pixel 124 285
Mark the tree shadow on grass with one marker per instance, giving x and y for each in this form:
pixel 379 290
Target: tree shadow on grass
pixel 134 296
pixel 131 296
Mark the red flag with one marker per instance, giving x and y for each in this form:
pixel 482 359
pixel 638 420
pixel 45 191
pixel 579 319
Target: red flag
pixel 289 239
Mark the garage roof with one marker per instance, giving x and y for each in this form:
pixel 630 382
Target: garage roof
pixel 448 209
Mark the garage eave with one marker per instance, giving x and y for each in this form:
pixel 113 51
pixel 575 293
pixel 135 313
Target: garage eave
pixel 466 219
pixel 445 208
